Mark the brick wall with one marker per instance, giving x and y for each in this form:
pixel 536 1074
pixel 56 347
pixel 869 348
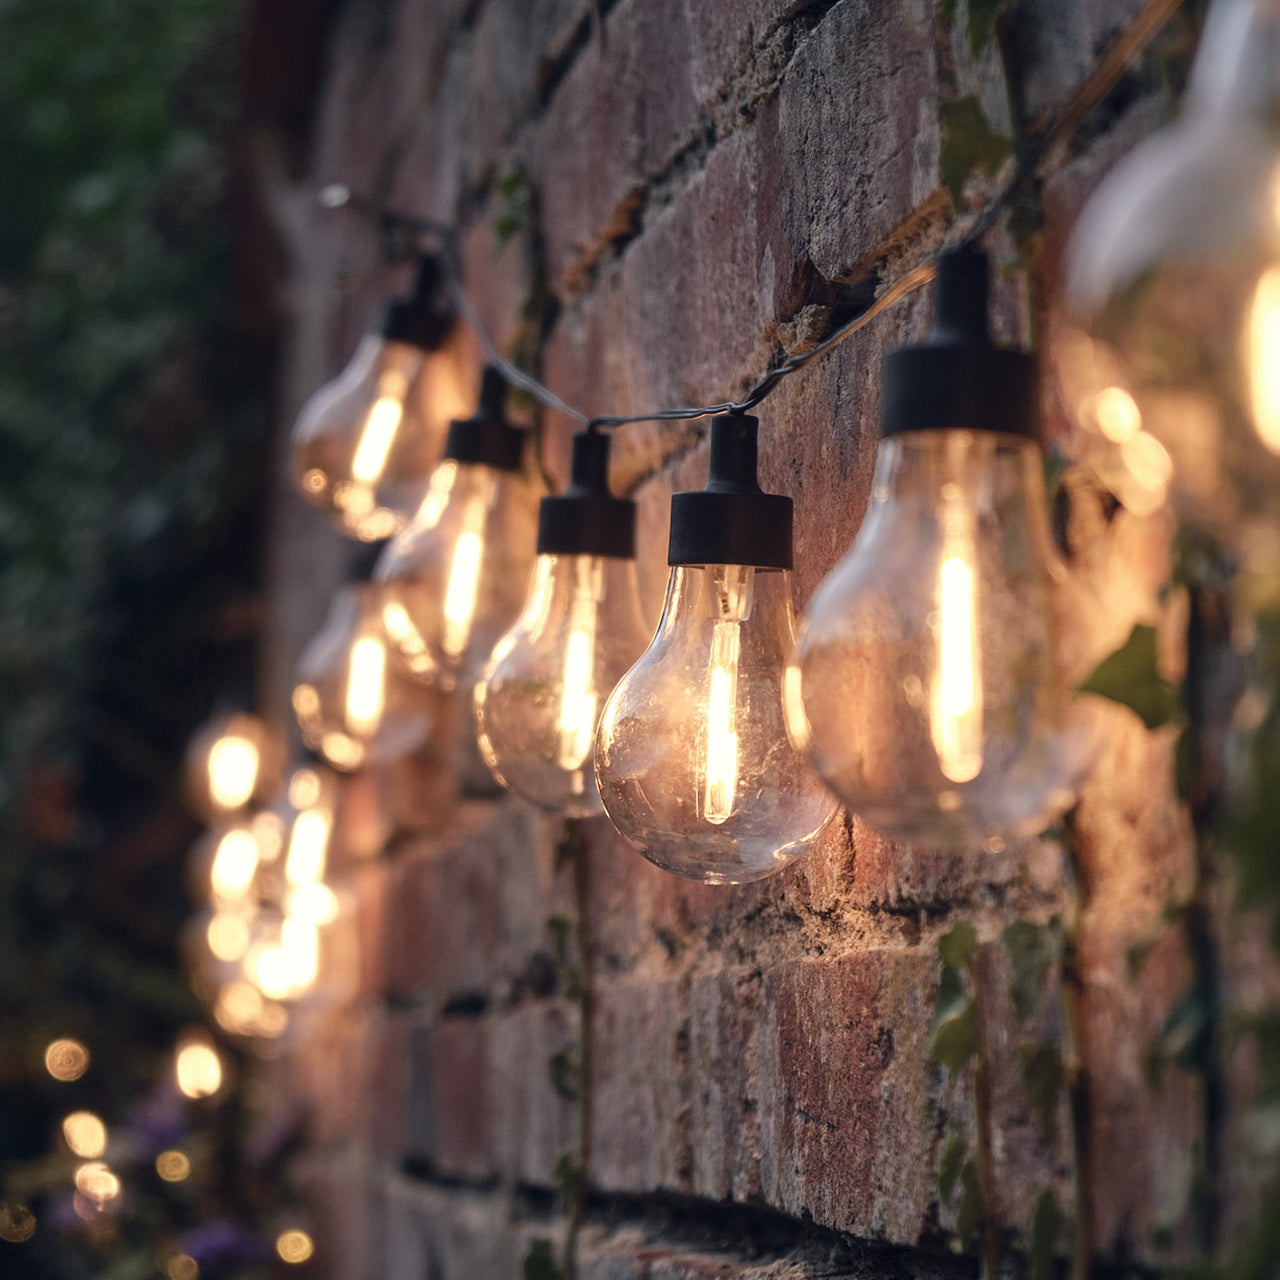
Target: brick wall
pixel 744 1072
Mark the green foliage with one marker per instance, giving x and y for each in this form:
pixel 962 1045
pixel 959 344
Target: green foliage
pixel 982 18
pixel 955 1038
pixel 971 1213
pixel 953 1159
pixel 562 1071
pixel 956 1033
pixel 1031 948
pixel 1041 1074
pixel 959 946
pixel 969 144
pixel 515 190
pixel 1131 677
pixel 1046 1230
pixel 540 1262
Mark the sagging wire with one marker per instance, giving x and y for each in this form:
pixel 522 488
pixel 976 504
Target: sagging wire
pixel 402 235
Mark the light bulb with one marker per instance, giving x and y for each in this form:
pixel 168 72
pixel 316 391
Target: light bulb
pixel 692 758
pixel 541 694
pixel 1172 296
pixel 455 576
pixel 365 443
pixel 924 683
pixel 232 763
pixel 355 706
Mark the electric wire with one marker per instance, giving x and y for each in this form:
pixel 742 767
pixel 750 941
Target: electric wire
pixel 1106 74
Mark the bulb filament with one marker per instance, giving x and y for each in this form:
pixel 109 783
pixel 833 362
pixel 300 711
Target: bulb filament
pixel 734 596
pixel 307 845
pixel 956 719
pixel 366 686
pixel 464 582
pixel 579 700
pixel 1264 358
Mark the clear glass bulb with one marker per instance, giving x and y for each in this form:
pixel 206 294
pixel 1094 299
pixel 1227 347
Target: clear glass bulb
pixel 353 704
pixel 692 759
pixel 541 694
pixel 454 577
pixel 232 763
pixel 1172 295
pixel 366 442
pixel 924 684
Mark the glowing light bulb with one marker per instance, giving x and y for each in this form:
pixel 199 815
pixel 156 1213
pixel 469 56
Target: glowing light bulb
pixel 85 1134
pixel 98 1184
pixel 235 861
pixel 1172 298
pixel 924 684
pixel 66 1060
pixel 454 575
pixel 692 758
pixel 539 699
pixel 354 706
pixel 294 1246
pixel 232 762
pixel 173 1166
pixel 365 443
pixel 198 1067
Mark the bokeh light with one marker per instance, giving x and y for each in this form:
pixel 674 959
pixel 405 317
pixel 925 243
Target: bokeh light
pixel 182 1266
pixel 294 1245
pixel 85 1134
pixel 233 771
pixel 97 1183
pixel 173 1166
pixel 66 1060
pixel 198 1068
pixel 17 1222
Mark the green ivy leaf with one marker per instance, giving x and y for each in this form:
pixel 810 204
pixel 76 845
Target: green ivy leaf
pixel 1032 948
pixel 983 15
pixel 958 946
pixel 562 1071
pixel 1046 1229
pixel 1040 1070
pixel 1131 677
pixel 955 1040
pixel 949 1170
pixel 969 143
pixel 952 996
pixel 971 1213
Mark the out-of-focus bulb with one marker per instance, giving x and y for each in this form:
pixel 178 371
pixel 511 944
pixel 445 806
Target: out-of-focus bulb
pixel 365 443
pixel 455 575
pixel 235 862
pixel 692 758
pixel 353 705
pixel 232 762
pixel 924 683
pixel 1171 346
pixel 198 1066
pixel 540 697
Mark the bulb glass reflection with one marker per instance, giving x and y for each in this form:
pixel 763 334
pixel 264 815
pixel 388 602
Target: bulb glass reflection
pixel 454 577
pixel 539 699
pixel 354 706
pixel 924 684
pixel 1171 342
pixel 692 759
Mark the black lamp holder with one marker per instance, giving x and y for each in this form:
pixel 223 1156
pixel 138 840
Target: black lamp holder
pixel 586 519
pixel 426 316
pixel 486 438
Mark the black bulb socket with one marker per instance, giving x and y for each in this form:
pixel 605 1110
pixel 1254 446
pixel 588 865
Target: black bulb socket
pixel 586 519
pixel 426 316
pixel 361 560
pixel 487 439
pixel 732 520
pixel 958 379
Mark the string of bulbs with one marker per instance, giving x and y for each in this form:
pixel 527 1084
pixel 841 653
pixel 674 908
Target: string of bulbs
pixel 921 688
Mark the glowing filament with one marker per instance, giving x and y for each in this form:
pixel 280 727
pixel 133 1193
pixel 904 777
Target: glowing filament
pixel 957 701
pixel 300 947
pixel 228 937
pixel 233 771
pixel 234 865
pixel 722 721
pixel 460 595
pixel 1264 358
pixel 579 701
pixel 307 847
pixel 314 904
pixel 376 439
pixel 366 686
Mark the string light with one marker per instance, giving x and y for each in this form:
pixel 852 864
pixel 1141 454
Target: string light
pixel 924 683
pixel 365 443
pixel 692 759
pixel 85 1134
pixel 455 575
pixel 232 762
pixel 198 1066
pixel 539 700
pixel 1179 395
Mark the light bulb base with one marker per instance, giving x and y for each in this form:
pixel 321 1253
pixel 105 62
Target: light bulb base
pixel 487 439
pixel 587 520
pixel 959 380
pixel 731 520
pixel 425 318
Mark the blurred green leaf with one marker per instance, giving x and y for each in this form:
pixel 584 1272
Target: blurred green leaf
pixel 1041 1074
pixel 1031 948
pixel 958 946
pixel 1046 1230
pixel 969 144
pixel 1131 677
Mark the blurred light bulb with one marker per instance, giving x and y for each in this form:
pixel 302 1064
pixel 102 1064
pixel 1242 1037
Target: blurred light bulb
pixel 455 574
pixel 314 904
pixel 98 1184
pixel 353 706
pixel 198 1067
pixel 1172 300
pixel 66 1060
pixel 232 762
pixel 235 861
pixel 924 684
pixel 692 758
pixel 173 1165
pixel 539 699
pixel 294 1246
pixel 365 443
pixel 228 936
pixel 85 1134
